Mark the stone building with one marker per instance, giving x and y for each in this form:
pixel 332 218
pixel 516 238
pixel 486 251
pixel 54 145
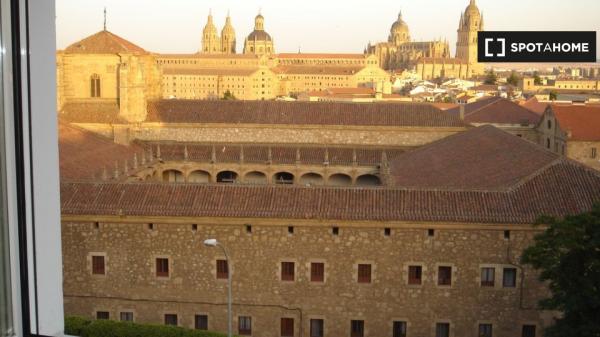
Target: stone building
pixel 501 113
pixel 432 252
pixel 431 59
pixel 107 69
pixel 527 84
pixel 573 131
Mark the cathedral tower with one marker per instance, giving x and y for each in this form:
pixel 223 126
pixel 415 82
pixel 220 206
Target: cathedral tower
pixel 471 21
pixel 228 37
pixel 211 44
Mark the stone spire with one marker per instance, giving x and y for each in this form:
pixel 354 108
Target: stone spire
pixel 210 38
pixel 228 40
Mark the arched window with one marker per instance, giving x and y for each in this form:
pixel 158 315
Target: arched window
pixel 95 85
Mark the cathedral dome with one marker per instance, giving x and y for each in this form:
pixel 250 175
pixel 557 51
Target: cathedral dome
pixel 399 33
pixel 259 33
pixel 399 26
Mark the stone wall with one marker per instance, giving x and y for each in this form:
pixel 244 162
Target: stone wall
pixel 584 153
pixel 130 283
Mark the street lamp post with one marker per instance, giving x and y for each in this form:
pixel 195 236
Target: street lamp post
pixel 214 243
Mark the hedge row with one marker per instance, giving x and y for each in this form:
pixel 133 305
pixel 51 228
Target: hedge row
pixel 78 326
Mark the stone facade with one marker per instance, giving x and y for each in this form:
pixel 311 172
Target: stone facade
pixel 191 287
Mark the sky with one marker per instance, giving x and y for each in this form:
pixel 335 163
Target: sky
pixel 175 26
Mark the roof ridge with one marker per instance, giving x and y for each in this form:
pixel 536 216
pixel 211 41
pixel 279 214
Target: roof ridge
pixel 536 173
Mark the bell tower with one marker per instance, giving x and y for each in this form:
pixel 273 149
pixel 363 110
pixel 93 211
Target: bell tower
pixel 471 21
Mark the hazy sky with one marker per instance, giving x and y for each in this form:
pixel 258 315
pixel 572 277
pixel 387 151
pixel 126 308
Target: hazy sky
pixel 175 26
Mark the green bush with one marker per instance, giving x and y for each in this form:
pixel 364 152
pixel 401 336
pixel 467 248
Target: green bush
pixel 74 325
pixel 78 326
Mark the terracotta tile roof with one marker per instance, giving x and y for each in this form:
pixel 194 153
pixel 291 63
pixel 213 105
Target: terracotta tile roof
pixel 483 158
pixel 561 189
pixel 319 55
pixel 84 155
pixel 317 70
pixel 280 154
pixel 91 112
pixel 209 71
pixel 445 106
pixel 104 42
pixel 300 113
pixel 497 110
pixel 581 121
pixel 534 105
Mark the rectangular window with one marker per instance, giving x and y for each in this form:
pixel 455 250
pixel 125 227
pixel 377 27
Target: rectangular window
pixel 162 267
pixel 442 330
pixel 444 275
pixel 222 269
pixel 485 330
pixel 317 272
pixel 594 152
pixel 415 275
pixel 509 278
pixel 287 271
pixel 126 316
pixel 528 331
pixel 102 315
pixel 245 325
pixel 364 273
pixel 287 327
pixel 357 328
pixel 98 265
pixel 171 319
pixel 487 277
pixel 399 329
pixel 316 327
pixel 201 322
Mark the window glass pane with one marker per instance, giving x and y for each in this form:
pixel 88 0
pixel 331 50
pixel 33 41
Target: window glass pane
pixel 316 328
pixel 510 277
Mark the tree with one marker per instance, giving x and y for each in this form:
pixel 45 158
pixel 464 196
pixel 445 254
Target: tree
pixel 536 78
pixel 513 79
pixel 228 96
pixel 490 77
pixel 567 255
pixel 553 95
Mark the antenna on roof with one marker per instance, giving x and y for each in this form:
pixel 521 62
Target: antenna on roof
pixel 104 18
